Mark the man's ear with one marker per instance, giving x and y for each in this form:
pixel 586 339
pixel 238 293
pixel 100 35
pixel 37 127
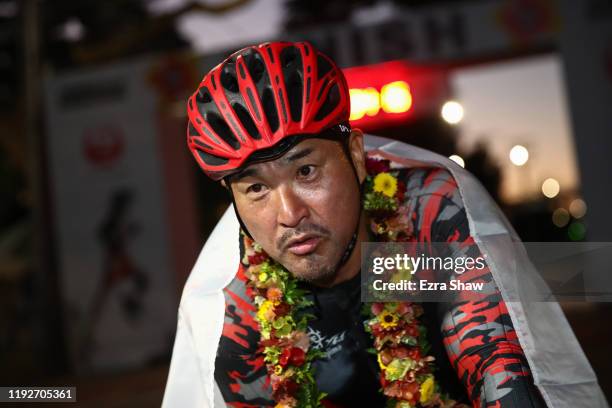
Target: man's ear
pixel 357 153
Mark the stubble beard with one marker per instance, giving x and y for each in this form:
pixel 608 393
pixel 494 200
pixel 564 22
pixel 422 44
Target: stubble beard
pixel 317 274
pixel 316 269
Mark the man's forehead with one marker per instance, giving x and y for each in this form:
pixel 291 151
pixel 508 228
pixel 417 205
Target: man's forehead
pixel 302 149
pixel 312 144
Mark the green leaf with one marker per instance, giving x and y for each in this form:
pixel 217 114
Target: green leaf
pixel 410 341
pixel 398 368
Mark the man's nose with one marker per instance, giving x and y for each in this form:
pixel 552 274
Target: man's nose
pixel 292 208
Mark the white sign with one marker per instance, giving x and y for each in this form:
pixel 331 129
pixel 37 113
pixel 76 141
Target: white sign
pixel 117 284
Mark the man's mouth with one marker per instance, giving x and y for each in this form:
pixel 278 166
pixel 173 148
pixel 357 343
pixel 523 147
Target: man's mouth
pixel 304 246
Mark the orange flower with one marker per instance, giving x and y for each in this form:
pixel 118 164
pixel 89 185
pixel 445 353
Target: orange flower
pixel 274 294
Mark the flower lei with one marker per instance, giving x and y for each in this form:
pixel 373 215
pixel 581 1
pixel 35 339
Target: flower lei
pixel 406 375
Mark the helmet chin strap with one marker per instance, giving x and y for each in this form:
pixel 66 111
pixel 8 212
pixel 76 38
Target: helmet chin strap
pixel 349 248
pixel 351 245
pixel 242 226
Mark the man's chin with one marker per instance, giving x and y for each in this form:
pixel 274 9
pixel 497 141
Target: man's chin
pixel 312 271
pixel 320 278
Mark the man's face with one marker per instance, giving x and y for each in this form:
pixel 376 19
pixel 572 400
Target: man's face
pixel 302 208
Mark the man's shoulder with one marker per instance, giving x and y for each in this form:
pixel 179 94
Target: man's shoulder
pixel 425 181
pixel 434 203
pixel 240 330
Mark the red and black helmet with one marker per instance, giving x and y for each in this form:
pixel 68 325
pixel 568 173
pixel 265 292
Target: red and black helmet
pixel 260 96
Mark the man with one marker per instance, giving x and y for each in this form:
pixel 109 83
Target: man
pixel 271 123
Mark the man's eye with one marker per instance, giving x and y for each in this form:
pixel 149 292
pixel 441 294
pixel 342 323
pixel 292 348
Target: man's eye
pixel 306 171
pixel 255 188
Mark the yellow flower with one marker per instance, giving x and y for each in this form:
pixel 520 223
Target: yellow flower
pixel 287 402
pixel 387 319
pixel 398 368
pixel 386 184
pixel 263 277
pixel 266 311
pixel 426 390
pixel 278 369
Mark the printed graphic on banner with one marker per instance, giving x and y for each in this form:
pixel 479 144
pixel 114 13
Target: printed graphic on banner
pixel 117 283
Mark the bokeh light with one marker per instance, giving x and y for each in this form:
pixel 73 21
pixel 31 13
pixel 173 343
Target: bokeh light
pixel 364 101
pixel 457 159
pixel 395 97
pixel 452 112
pixel 550 187
pixel 519 155
pixel 560 217
pixel 578 208
pixel 576 231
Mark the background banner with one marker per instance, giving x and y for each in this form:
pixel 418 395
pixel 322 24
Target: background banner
pixel 116 277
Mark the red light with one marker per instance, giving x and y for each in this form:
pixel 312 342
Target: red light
pixel 395 97
pixel 364 102
pixel 393 93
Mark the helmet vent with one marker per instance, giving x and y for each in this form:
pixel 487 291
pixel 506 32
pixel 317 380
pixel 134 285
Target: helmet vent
pixel 294 93
pixel 203 96
pixel 270 54
pixel 270 110
pixel 228 80
pixel 255 66
pixel 210 159
pixel 288 56
pixel 222 129
pixel 246 120
pixel 323 66
pixel 331 102
pixel 322 89
pixel 293 72
pixel 192 130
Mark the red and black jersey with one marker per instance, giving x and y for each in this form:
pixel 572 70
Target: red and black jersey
pixel 478 356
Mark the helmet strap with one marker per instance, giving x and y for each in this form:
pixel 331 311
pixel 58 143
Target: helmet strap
pixel 242 226
pixel 351 245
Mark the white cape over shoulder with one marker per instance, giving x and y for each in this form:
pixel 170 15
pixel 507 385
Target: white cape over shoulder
pixel 559 366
